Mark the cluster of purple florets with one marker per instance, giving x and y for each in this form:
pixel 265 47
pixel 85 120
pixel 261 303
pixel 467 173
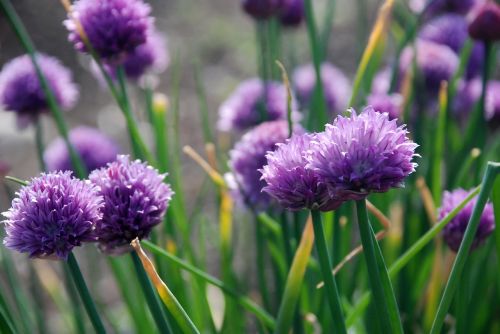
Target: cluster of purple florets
pixel 56 212
pixel 354 156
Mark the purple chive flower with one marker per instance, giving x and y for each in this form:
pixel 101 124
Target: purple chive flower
pixel 53 214
pixel 95 148
pixel 261 9
pixel 136 199
pixel 484 22
pixel 336 86
pixel 451 30
pixel 382 81
pixel 288 180
pixel 492 103
pixel 249 155
pixel 468 94
pixel 22 93
pixel 114 28
pixel 453 232
pixel 360 154
pixel 392 104
pixel 253 103
pixel 435 62
pixel 149 58
pixel 291 13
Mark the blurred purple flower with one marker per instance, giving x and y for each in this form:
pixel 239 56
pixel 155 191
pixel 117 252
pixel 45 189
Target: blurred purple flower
pixel 252 103
pixel 451 30
pixel 437 7
pixel 22 93
pixel 261 9
pixel 114 28
pixel 382 81
pixel 360 154
pixel 392 104
pixel 136 199
pixel 484 22
pixel 492 103
pixel 435 62
pixel 53 214
pixel 249 155
pixel 453 232
pixel 336 86
pixel 291 12
pixel 95 148
pixel 294 186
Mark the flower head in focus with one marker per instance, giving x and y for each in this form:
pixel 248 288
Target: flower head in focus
pixel 21 91
pixel 360 154
pixel 336 86
pixel 254 102
pixel 249 155
pixel 288 180
pixel 453 232
pixel 113 28
pixel 95 148
pixel 53 214
pixel 135 200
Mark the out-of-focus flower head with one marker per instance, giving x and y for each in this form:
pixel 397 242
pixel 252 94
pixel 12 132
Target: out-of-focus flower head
pixel 114 28
pixel 435 62
pixel 382 81
pixel 361 154
pixel 53 214
pixel 294 186
pixel 94 147
pixel 252 103
pixel 135 200
pixel 451 30
pixel 336 86
pixel 437 7
pixel 150 58
pixel 291 13
pixel 392 104
pixel 492 103
pixel 484 22
pixel 249 155
pixel 453 232
pixel 261 9
pixel 21 91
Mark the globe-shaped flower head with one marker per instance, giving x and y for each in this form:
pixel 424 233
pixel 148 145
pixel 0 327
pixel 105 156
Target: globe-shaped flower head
pixel 288 180
pixel 435 62
pixel 95 148
pixel 453 232
pixel 291 13
pixel 53 214
pixel 249 155
pixel 113 27
pixel 392 104
pixel 485 22
pixel 136 199
pixel 451 30
pixel 336 86
pixel 363 153
pixel 252 103
pixel 21 91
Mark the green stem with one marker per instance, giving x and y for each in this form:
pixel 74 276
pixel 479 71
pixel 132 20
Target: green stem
pixel 327 27
pixel 27 43
pixel 318 106
pixel 138 147
pixel 75 303
pixel 151 297
pixel 332 294
pixel 261 277
pixel 77 276
pixel 492 170
pixel 383 293
pixel 39 144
